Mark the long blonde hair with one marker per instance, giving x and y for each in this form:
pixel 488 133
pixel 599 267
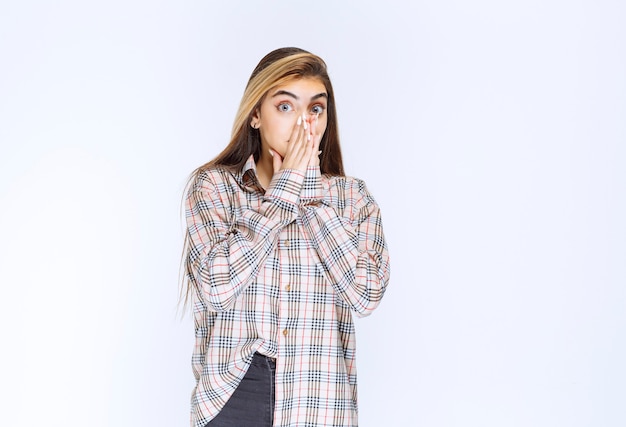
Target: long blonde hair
pixel 276 68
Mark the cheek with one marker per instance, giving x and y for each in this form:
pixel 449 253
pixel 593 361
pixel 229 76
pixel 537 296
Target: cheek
pixel 277 129
pixel 281 130
pixel 275 135
pixel 321 127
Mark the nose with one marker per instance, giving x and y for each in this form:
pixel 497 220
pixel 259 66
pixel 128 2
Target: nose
pixel 309 117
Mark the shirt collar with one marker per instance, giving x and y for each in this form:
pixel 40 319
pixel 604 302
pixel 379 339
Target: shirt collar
pixel 248 176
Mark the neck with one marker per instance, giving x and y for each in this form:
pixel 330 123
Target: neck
pixel 264 169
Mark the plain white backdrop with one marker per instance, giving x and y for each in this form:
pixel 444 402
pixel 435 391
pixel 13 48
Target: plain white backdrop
pixel 492 134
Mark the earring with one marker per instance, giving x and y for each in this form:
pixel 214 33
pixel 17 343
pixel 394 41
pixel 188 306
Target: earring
pixel 255 125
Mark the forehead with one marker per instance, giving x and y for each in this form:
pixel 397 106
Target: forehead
pixel 304 86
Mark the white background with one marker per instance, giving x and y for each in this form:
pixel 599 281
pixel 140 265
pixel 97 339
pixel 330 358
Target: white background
pixel 492 134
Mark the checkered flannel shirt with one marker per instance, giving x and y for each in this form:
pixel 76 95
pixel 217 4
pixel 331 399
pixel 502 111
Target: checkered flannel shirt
pixel 280 272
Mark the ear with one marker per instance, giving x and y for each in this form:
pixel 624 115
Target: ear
pixel 255 120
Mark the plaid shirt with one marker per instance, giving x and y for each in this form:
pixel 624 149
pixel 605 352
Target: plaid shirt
pixel 279 272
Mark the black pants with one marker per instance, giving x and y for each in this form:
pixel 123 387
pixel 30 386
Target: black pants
pixel 252 404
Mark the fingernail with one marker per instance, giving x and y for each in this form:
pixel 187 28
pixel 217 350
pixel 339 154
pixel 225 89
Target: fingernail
pixel 299 120
pixel 305 125
pixel 271 153
pixel 308 137
pixel 319 152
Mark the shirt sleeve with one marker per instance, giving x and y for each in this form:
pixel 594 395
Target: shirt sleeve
pixel 352 251
pixel 228 244
pixel 312 189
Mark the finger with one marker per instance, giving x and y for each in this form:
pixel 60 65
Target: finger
pixel 304 137
pixel 317 136
pixel 308 146
pixel 295 142
pixel 295 156
pixel 314 159
pixel 311 127
pixel 277 161
pixel 295 130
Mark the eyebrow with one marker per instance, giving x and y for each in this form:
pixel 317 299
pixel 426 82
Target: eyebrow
pixel 293 95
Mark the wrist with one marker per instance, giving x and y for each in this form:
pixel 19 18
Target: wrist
pixel 312 187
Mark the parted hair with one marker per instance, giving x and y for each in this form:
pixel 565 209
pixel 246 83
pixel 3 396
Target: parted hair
pixel 276 68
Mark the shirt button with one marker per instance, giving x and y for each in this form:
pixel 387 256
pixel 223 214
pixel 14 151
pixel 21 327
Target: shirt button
pixel 288 288
pixel 285 332
pixel 286 243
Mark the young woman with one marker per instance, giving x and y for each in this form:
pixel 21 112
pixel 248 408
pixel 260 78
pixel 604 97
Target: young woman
pixel 281 248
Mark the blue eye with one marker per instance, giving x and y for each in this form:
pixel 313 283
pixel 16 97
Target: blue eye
pixel 284 107
pixel 317 109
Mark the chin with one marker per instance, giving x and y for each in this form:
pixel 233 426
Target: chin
pixel 281 151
